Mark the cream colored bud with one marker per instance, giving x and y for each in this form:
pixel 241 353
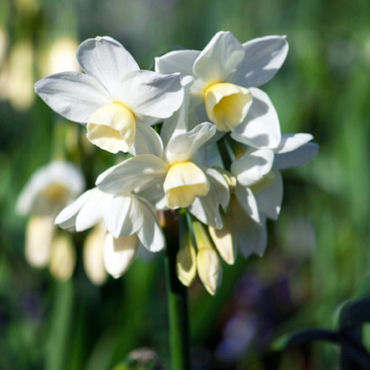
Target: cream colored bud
pixel 39 236
pixel 62 257
pixel 209 269
pixel 201 236
pixel 223 241
pixel 20 88
pixel 186 266
pixel 93 255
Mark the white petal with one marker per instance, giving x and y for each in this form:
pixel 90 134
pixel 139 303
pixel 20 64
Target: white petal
pixel 177 61
pixel 263 58
pixel 290 142
pixel 62 257
pixel 73 95
pixel 269 199
pixel 92 210
pixel 66 219
pixel 252 166
pixel 219 58
pixel 150 234
pixel 118 215
pixel 261 128
pixel 247 201
pixel 151 94
pixel 223 241
pixel 147 141
pixel 132 173
pixel 297 157
pixel 178 123
pixel 207 208
pixel 107 61
pixel 93 255
pixel 119 253
pixel 250 236
pixel 183 146
pixel 209 269
pixel 39 236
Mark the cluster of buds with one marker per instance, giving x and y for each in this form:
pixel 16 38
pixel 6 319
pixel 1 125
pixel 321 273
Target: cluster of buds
pixel 200 136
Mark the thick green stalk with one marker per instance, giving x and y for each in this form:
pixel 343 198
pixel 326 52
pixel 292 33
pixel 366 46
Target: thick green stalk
pixel 177 307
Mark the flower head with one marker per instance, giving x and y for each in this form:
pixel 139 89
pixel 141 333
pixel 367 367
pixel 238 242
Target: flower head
pixel 226 74
pixel 50 189
pixel 173 177
pixel 128 219
pixel 114 97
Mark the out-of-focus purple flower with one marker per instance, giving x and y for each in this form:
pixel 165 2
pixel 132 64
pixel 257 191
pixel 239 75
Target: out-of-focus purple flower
pixel 249 291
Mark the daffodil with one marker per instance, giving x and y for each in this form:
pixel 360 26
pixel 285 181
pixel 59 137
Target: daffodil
pixel 114 97
pixel 128 218
pixel 259 190
pixel 226 76
pixel 49 190
pixel 173 178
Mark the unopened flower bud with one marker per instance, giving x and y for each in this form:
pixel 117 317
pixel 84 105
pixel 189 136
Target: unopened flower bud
pixel 62 257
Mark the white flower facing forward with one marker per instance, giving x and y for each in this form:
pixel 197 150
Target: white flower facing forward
pixel 172 178
pixel 115 98
pixel 226 76
pixel 128 218
pixel 50 189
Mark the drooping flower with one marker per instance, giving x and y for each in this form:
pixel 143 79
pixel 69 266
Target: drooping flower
pixel 114 97
pixel 49 190
pixel 172 178
pixel 227 74
pixel 257 193
pixel 128 219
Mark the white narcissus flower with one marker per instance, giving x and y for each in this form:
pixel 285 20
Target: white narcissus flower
pixel 50 189
pixel 227 74
pixel 114 97
pixel 259 189
pixel 174 177
pixel 128 219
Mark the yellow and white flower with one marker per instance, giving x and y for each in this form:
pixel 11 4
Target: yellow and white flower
pixel 226 76
pixel 114 97
pixel 258 192
pixel 49 190
pixel 128 219
pixel 173 177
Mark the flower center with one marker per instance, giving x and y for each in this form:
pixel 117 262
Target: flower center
pixel 184 182
pixel 227 104
pixel 56 192
pixel 112 128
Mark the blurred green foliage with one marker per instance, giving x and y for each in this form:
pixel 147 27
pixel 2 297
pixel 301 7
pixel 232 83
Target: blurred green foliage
pixel 320 243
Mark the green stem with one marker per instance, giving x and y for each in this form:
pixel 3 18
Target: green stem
pixel 226 152
pixel 177 307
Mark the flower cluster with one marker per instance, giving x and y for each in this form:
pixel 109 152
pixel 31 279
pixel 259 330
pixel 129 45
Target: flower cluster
pixel 200 136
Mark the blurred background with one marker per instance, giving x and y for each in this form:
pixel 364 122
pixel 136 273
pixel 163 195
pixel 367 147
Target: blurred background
pixel 318 253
